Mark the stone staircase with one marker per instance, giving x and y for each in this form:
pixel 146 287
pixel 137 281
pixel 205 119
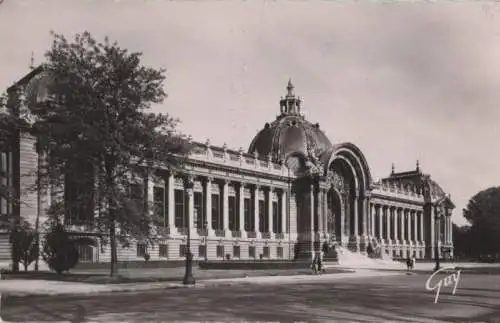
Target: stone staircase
pixel 347 258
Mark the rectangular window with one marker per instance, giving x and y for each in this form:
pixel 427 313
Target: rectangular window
pixel 251 252
pixel 248 218
pixel 179 208
pixel 182 250
pixel 262 216
pixel 236 251
pixel 85 254
pixel 279 252
pixel 220 251
pixel 266 252
pixel 216 214
pixel 233 219
pixel 276 219
pixel 79 196
pixel 280 215
pixel 141 249
pixel 163 252
pixel 198 210
pixel 159 206
pixel 202 251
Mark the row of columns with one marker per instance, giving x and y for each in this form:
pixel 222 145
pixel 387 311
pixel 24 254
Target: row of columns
pixel 400 219
pixel 225 210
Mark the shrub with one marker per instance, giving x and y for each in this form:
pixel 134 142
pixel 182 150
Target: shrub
pixel 24 245
pixel 60 252
pixel 147 257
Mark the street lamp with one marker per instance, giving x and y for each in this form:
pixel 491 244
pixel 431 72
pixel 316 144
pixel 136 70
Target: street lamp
pixel 437 229
pixel 188 276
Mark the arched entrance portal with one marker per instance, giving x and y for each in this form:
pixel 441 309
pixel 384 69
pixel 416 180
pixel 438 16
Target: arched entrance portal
pixel 341 200
pixel 334 215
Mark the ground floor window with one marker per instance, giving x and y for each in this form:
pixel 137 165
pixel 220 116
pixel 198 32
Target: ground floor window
pixel 85 254
pixel 236 251
pixel 141 249
pixel 202 251
pixel 266 252
pixel 163 250
pixel 220 251
pixel 251 252
pixel 182 250
pixel 279 251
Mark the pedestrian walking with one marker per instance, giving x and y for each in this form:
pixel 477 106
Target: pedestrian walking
pixel 408 264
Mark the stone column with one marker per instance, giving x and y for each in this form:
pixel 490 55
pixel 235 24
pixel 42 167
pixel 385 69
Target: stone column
pixel 356 218
pixel 421 220
pixel 388 221
pixel 415 224
pixel 256 211
pixel 171 204
pixel 364 219
pixel 208 205
pixel 241 208
pixel 397 235
pixel 270 211
pixel 381 222
pixel 408 225
pixel 283 211
pixel 433 230
pixel 225 208
pixel 372 222
pixel 311 208
pixel 403 227
pixel 319 208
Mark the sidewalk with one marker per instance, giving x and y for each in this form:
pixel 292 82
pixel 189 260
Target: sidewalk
pixel 46 287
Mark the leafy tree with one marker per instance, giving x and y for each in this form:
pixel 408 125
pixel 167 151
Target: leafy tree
pixel 483 214
pixel 12 122
pixel 24 244
pixel 59 251
pixel 97 134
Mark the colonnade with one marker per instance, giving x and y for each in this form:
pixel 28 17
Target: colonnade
pixel 241 191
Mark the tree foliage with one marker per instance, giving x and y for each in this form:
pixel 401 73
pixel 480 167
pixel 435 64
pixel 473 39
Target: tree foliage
pixel 24 244
pixel 97 132
pixel 60 252
pixel 483 214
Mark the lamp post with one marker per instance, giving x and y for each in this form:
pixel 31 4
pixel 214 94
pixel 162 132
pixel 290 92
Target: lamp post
pixel 188 276
pixel 437 218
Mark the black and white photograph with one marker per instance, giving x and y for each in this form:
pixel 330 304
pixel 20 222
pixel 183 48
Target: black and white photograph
pixel 249 161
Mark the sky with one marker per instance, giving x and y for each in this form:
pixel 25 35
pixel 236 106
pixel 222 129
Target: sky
pixel 403 81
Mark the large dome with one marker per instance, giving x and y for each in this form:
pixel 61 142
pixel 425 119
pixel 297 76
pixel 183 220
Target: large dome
pixel 290 133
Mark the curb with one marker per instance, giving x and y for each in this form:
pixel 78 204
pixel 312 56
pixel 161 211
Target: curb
pixel 201 284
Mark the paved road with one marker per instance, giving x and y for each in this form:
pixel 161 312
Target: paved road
pixel 401 298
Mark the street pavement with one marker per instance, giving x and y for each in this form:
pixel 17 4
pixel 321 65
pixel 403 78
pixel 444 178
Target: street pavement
pixel 380 298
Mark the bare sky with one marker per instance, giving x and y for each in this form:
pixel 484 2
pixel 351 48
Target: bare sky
pixel 402 81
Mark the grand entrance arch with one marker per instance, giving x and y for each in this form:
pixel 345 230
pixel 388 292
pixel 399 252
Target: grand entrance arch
pixel 347 181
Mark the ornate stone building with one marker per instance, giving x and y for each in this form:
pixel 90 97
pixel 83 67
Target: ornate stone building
pixel 292 191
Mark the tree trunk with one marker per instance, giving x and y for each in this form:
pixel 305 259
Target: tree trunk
pixel 112 239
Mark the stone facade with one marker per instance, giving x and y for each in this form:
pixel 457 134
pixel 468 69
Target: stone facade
pixel 292 191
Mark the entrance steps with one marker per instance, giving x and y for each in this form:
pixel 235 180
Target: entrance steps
pixel 350 259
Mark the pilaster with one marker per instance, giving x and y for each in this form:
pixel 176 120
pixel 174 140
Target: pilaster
pixel 208 206
pixel 256 211
pixel 225 208
pixel 171 204
pixel 241 210
pixel 270 211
